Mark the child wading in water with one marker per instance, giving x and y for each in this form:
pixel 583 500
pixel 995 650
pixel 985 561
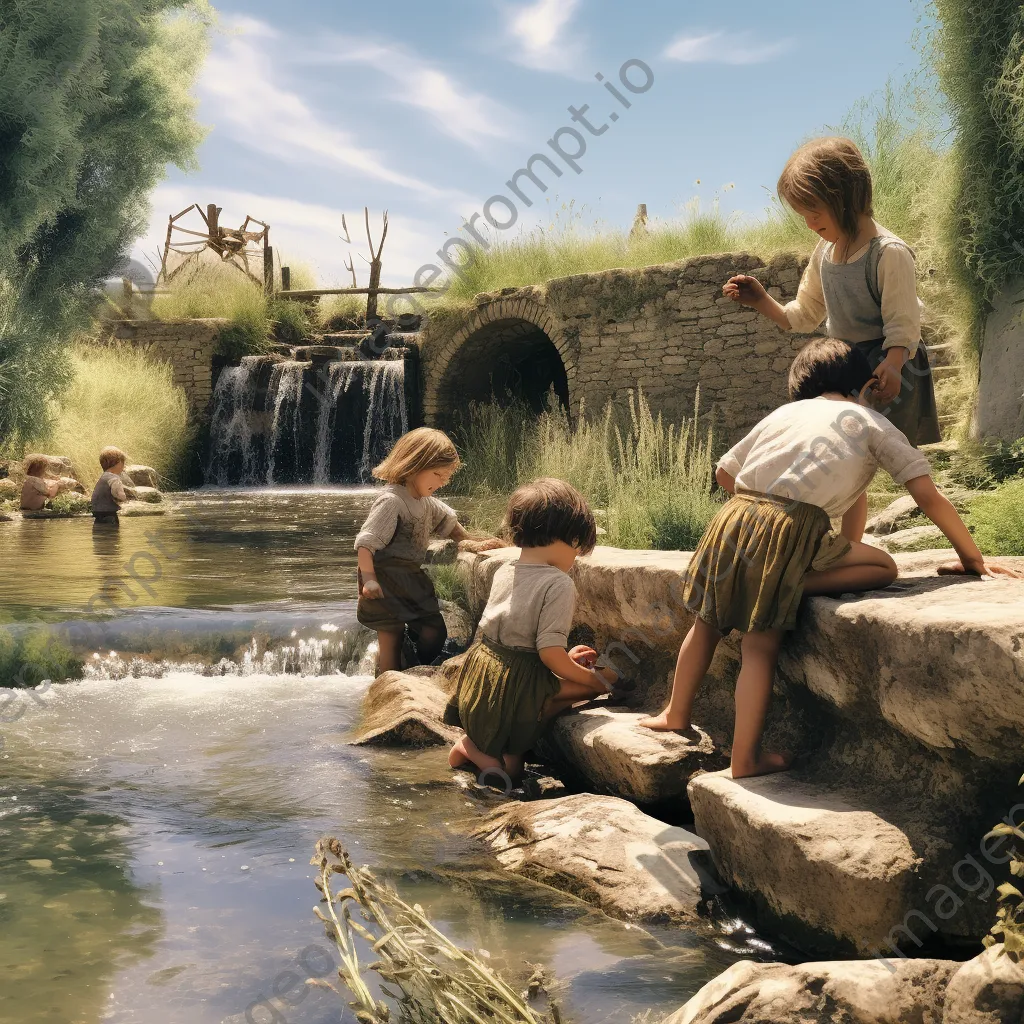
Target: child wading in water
pixel 772 541
pixel 861 281
pixel 519 674
pixel 394 591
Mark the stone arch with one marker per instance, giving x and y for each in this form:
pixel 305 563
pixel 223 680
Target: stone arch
pixel 511 344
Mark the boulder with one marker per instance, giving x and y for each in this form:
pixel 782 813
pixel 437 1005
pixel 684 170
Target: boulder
pixel 825 872
pixel 9 489
pixel 617 756
pixel 68 485
pixel 57 466
pixel 986 990
pixel 134 509
pixel 897 515
pixel 150 495
pixel 404 709
pixel 914 538
pixel 142 476
pixel 838 992
pixel 605 851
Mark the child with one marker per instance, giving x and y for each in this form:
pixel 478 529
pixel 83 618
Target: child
pixel 861 280
pixel 36 491
pixel 771 542
pixel 394 591
pixel 519 673
pixel 109 495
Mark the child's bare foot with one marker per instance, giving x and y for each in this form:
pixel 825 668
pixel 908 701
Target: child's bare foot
pixel 664 723
pixel 766 764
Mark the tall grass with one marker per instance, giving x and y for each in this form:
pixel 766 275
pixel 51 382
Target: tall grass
pixel 119 397
pixel 651 481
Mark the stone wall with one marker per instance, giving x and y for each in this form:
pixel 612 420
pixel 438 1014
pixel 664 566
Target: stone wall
pixel 188 345
pixel 665 328
pixel 1001 389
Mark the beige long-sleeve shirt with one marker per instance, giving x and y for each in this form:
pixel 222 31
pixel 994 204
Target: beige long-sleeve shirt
pixel 897 283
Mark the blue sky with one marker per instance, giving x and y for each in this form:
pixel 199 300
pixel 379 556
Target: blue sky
pixel 321 108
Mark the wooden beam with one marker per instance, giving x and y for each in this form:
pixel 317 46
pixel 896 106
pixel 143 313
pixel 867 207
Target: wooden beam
pixel 310 293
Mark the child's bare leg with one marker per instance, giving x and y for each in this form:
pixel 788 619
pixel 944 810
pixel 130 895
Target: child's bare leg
pixel 389 652
pixel 457 756
pixel 863 567
pixel 465 750
pixel 692 666
pixel 514 764
pixel 760 654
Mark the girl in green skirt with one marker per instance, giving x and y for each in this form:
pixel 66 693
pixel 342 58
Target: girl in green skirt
pixel 772 542
pixel 518 675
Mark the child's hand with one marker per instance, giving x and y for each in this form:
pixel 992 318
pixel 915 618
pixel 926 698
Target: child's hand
pixel 746 290
pixel 583 655
pixel 485 544
pixel 889 378
pixel 979 569
pixel 371 590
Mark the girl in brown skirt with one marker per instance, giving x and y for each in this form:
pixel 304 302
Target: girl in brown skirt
pixel 772 542
pixel 394 591
pixel 861 281
pixel 519 675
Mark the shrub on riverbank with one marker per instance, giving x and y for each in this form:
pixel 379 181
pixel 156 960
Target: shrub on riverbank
pixel 26 659
pixel 651 481
pixel 117 396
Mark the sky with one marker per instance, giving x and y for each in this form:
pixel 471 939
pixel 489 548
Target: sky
pixel 319 108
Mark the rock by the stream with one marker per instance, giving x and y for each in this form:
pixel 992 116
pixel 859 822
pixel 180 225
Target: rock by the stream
pixel 814 863
pixel 836 992
pixel 617 756
pixel 150 495
pixel 898 515
pixel 605 851
pixel 405 709
pixel 57 466
pixel 141 476
pixel 9 489
pixel 133 509
pixel 914 538
pixel 986 990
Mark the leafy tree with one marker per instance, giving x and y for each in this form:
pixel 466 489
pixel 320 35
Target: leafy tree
pixel 95 101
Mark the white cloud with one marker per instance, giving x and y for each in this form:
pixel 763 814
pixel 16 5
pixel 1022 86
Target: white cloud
pixel 302 232
pixel 249 105
pixel 472 118
pixel 725 48
pixel 540 30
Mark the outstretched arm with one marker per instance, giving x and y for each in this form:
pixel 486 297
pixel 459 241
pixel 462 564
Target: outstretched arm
pixel 467 542
pixel 558 661
pixel 941 512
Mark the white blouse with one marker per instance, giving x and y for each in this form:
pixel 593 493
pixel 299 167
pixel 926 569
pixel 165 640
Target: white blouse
pixel 897 282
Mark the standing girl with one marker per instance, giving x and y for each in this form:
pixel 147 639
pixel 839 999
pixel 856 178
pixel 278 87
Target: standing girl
pixel 519 675
pixel 861 281
pixel 394 591
pixel 772 541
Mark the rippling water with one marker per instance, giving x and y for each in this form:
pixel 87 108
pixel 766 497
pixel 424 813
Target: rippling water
pixel 155 833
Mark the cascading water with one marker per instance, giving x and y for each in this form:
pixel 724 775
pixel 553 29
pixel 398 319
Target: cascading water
pixel 287 422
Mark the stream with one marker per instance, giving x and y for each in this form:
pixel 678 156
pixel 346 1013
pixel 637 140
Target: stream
pixel 157 818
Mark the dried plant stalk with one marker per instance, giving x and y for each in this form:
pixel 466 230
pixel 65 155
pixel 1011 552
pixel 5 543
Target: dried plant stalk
pixel 428 978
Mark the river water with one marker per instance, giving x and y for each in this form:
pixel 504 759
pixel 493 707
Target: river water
pixel 157 818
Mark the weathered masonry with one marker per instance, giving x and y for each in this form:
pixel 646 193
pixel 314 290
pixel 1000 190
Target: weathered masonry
pixel 593 337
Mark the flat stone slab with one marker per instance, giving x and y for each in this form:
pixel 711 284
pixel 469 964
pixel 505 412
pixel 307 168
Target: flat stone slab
pixel 830 874
pixel 617 756
pixel 606 852
pixel 844 992
pixel 404 709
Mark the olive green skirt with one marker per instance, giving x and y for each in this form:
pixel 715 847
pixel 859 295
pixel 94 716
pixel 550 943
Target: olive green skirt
pixel 499 698
pixel 748 570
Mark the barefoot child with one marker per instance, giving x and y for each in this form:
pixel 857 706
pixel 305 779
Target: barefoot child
pixel 772 542
pixel 519 674
pixel 37 490
pixel 861 281
pixel 394 591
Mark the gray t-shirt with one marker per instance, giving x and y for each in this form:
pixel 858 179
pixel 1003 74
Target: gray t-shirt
pixel 400 525
pixel 108 494
pixel 530 607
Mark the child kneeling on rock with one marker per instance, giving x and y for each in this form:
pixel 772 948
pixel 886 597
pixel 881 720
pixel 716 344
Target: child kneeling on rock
pixel 519 674
pixel 772 542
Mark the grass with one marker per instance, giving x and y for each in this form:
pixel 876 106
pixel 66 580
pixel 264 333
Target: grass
pixel 29 658
pixel 997 519
pixel 650 482
pixel 119 397
pixel 448 584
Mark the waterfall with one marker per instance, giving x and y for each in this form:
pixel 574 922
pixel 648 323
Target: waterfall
pixel 288 422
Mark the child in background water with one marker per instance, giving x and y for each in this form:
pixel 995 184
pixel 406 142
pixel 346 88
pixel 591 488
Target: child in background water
pixel 109 494
pixel 861 281
pixel 394 591
pixel 37 490
pixel 519 675
pixel 771 543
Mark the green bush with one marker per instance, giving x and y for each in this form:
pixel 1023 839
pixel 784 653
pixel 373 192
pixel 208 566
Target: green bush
pixel 997 519
pixel 26 659
pixel 448 584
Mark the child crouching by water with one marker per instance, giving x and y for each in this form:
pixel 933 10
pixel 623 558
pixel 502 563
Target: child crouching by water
pixel 394 591
pixel 519 674
pixel 771 543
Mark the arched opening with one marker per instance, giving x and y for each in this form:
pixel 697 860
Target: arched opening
pixel 504 361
